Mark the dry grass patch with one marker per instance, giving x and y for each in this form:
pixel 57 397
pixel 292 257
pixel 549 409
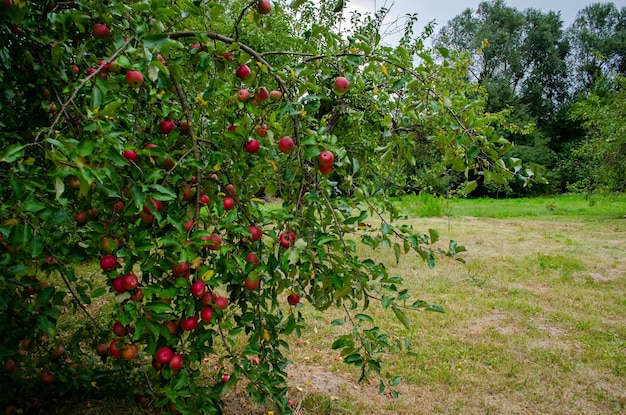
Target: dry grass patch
pixel 535 323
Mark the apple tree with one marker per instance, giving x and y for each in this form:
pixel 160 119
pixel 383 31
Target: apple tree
pixel 142 144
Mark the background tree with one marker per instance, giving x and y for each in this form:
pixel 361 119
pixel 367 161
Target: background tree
pixel 520 60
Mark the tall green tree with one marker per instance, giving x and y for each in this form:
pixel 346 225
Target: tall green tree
pixel 598 40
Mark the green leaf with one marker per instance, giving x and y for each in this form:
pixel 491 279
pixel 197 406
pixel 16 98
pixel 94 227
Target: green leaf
pixel 110 109
pixel 341 344
pixel 155 41
pixel 158 307
pixel 297 3
pixel 469 187
pixel 98 292
pixel 434 235
pixel 402 317
pixel 36 246
pixel 96 97
pixel 12 153
pixel 363 317
pixel 338 322
pixel 46 325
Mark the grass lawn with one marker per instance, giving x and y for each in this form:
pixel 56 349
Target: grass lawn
pixel 535 320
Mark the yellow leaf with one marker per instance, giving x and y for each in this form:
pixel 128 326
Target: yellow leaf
pixel 217 167
pixel 95 385
pixel 196 263
pixel 257 200
pixel 208 275
pixel 11 222
pixel 266 335
pixel 383 69
pixel 273 163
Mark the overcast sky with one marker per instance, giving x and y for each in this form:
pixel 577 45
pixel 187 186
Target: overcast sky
pixel 443 10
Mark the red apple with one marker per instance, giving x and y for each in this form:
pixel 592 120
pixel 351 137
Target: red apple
pixel 287 239
pixel 207 314
pixel 118 207
pixel 229 203
pixel 130 155
pixel 176 362
pixel 228 56
pixel 252 146
pixel 189 224
pixel 156 204
pixel 114 67
pixel 130 282
pixel 137 295
pixel 293 299
pixel 204 199
pixel 118 285
pixel 172 327
pixel 256 233
pixel 285 144
pixel 102 349
pixel 251 285
pixel 255 360
pixel 100 30
pixel 184 128
pixel 163 355
pixel 75 68
pixel 156 364
pixel 166 126
pixel 213 241
pixel 168 163
pixel 242 72
pixel 189 193
pixel 47 377
pixel 189 323
pixel 243 95
pixel 261 130
pixel 208 298
pixel 341 85
pixel 80 217
pixel 261 94
pixel 264 7
pixel 9 366
pixel 119 329
pixel 108 262
pixel 221 302
pixel 115 348
pixel 130 351
pixel 198 288
pixel 57 352
pixel 252 259
pixel 225 378
pixel 276 95
pixel 181 270
pixel 326 158
pixel 326 169
pixel 134 79
pixel 146 217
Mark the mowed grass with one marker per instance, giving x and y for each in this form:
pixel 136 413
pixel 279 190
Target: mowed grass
pixel 535 321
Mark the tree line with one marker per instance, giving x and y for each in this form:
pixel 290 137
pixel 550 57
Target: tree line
pixel 562 86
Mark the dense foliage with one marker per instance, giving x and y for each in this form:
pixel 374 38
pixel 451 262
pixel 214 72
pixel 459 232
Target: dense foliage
pixel 141 143
pixel 542 73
